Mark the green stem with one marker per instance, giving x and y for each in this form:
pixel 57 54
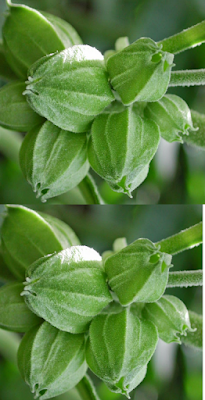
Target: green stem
pixel 184 40
pixel 86 389
pixel 185 278
pixel 89 190
pixel 184 240
pixel 187 77
pixel 194 339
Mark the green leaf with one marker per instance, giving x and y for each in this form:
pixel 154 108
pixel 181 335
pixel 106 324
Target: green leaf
pixel 173 117
pixel 70 88
pixel 6 72
pixel 51 361
pixel 170 316
pixel 140 72
pixel 15 112
pixel 5 273
pixel 122 159
pixel 27 236
pixel 67 289
pixel 29 35
pixel 14 314
pixel 86 389
pixel 119 347
pixel 53 160
pixel 138 273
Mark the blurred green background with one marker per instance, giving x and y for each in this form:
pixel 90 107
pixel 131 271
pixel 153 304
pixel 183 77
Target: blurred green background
pixel 175 372
pixel 177 173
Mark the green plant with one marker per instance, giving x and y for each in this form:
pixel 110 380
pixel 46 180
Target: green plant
pixel 81 109
pixel 80 309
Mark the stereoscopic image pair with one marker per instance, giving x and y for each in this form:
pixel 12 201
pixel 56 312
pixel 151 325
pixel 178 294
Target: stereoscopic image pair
pixel 101 118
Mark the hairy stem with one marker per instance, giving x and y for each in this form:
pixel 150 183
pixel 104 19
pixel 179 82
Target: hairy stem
pixel 188 78
pixel 184 240
pixel 184 40
pixel 86 389
pixel 185 278
pixel 89 191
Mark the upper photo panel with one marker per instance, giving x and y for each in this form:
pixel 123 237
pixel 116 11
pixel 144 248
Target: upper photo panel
pixel 102 102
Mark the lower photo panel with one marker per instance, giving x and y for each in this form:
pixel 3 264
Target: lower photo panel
pixel 101 302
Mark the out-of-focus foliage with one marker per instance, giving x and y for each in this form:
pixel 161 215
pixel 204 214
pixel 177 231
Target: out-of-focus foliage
pixel 177 173
pixel 175 371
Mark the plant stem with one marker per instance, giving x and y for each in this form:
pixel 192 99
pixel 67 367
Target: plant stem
pixel 89 190
pixel 86 389
pixel 184 240
pixel 184 40
pixel 187 77
pixel 194 339
pixel 185 278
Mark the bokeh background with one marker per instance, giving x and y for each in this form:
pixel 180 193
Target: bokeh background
pixel 175 372
pixel 177 173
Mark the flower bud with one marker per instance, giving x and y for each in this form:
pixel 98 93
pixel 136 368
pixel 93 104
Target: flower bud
pixel 119 347
pixel 70 88
pixel 15 112
pixel 170 316
pixel 172 115
pixel 139 272
pixel 51 361
pixel 29 35
pixel 27 236
pixel 67 289
pixel 53 160
pixel 141 71
pixel 121 146
pixel 14 314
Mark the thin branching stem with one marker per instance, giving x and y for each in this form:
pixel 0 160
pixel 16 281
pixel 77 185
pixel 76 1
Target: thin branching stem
pixel 184 240
pixel 188 38
pixel 185 278
pixel 187 77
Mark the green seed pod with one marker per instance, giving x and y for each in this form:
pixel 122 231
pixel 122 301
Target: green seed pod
pixel 27 236
pixel 67 289
pixel 172 115
pixel 141 71
pixel 14 314
pixel 53 160
pixel 51 361
pixel 15 112
pixel 29 35
pixel 170 316
pixel 70 88
pixel 121 146
pixel 119 347
pixel 139 272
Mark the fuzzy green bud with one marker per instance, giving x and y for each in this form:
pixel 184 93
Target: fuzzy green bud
pixel 119 347
pixel 67 289
pixel 170 316
pixel 139 272
pixel 70 88
pixel 14 314
pixel 141 71
pixel 121 146
pixel 29 35
pixel 27 236
pixel 15 112
pixel 173 117
pixel 51 361
pixel 53 161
